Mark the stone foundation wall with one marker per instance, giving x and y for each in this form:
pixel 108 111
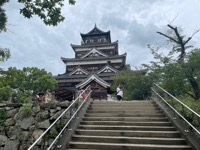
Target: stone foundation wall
pixel 20 127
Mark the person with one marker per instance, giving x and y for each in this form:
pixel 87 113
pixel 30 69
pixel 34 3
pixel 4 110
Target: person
pixel 40 97
pixel 118 89
pixel 48 96
pixel 120 94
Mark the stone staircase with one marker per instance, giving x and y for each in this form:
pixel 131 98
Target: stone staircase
pixel 135 125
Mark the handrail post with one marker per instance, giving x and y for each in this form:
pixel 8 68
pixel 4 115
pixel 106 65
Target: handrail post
pixel 70 115
pixel 173 105
pixel 44 142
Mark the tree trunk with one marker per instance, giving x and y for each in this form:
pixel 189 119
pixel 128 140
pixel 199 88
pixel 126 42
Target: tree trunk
pixel 195 87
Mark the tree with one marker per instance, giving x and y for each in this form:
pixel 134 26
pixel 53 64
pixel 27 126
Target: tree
pixel 4 54
pixel 179 40
pixel 26 82
pixel 137 84
pixel 49 11
pixel 180 46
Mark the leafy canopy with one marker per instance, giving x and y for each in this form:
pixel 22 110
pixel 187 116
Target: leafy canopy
pixel 49 11
pixel 136 84
pixel 20 84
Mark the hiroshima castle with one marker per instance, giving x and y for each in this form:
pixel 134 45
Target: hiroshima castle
pixel 96 61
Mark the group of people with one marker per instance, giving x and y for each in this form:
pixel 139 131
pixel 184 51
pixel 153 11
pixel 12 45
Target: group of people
pixel 44 97
pixel 119 92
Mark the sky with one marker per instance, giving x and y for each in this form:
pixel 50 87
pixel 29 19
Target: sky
pixel 133 23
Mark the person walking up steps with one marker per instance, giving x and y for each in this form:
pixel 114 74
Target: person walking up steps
pixel 118 89
pixel 120 93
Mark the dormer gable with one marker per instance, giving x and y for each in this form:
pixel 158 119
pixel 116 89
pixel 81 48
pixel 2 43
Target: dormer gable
pixel 91 78
pixel 78 71
pixel 94 53
pixel 107 69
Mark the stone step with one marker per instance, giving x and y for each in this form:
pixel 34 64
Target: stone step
pixel 124 102
pixel 138 128
pixel 160 119
pixel 123 111
pixel 122 108
pixel 124 115
pixel 123 105
pixel 123 146
pixel 144 123
pixel 135 140
pixel 163 134
pixel 126 125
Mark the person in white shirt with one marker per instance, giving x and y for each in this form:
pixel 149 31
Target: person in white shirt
pixel 118 89
pixel 120 94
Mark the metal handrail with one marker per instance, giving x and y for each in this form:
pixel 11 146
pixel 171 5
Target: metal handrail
pixel 68 122
pixel 68 108
pixel 175 109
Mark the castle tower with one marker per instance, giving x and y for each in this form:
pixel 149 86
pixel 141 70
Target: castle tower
pixel 96 61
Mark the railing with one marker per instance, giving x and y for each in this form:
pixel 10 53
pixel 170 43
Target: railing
pixel 62 121
pixel 173 103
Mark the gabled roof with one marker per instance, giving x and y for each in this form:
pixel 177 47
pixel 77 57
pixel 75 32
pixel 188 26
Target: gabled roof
pixel 95 30
pixel 94 52
pixel 91 78
pixel 107 69
pixel 93 58
pixel 78 71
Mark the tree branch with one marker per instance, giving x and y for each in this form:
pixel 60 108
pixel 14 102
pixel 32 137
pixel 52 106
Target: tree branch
pixel 167 36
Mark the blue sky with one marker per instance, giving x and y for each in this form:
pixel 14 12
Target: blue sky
pixel 133 23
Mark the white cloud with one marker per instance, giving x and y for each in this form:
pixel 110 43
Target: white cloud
pixel 134 23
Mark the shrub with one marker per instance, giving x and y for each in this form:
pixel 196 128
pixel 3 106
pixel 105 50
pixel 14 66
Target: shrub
pixel 26 110
pixel 3 112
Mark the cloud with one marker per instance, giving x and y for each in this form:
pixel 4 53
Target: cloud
pixel 133 23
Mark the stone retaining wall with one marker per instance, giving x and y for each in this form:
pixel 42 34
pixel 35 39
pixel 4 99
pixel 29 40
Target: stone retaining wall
pixel 19 128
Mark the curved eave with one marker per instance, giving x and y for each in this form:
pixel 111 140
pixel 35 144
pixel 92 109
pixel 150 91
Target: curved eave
pixel 74 46
pixel 92 58
pixel 67 76
pixel 94 30
pixel 89 34
pixel 91 78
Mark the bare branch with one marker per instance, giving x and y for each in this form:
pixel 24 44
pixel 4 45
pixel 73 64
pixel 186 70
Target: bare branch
pixel 187 40
pixel 191 37
pixel 174 18
pixel 167 37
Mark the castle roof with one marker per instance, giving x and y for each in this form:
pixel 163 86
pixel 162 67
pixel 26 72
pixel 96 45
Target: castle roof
pixel 91 78
pixel 88 59
pixel 95 31
pixel 74 46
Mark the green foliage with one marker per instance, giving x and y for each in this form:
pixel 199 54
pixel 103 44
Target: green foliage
pixel 191 103
pixel 20 97
pixel 5 93
pixel 4 53
pixel 174 76
pixel 137 84
pixel 3 112
pixel 3 17
pixel 49 11
pixel 179 73
pixel 26 110
pixel 174 79
pixel 52 134
pixel 25 83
